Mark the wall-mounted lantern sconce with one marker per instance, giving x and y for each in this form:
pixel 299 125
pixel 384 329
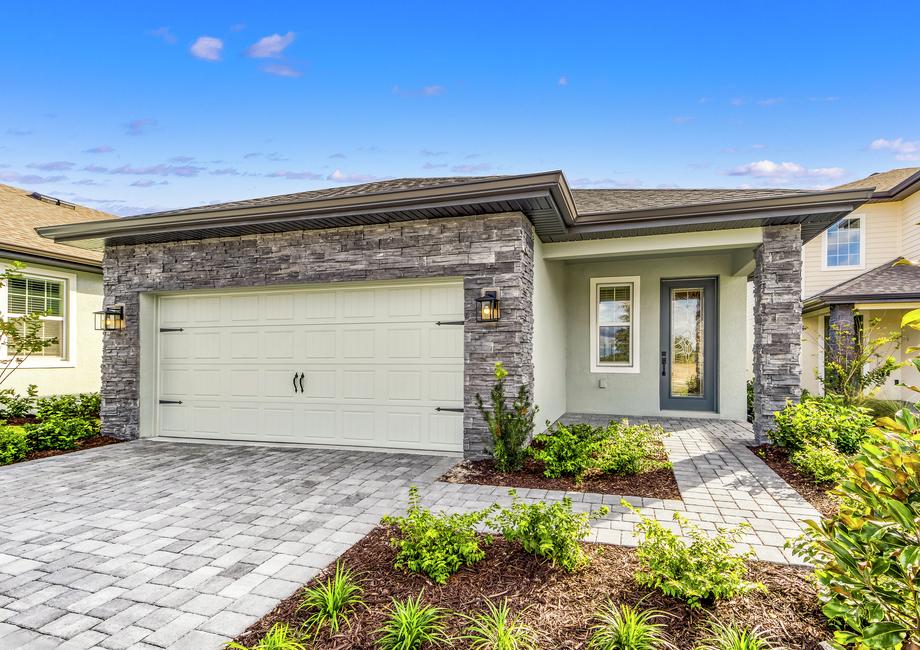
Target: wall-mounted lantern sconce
pixel 488 308
pixel 110 318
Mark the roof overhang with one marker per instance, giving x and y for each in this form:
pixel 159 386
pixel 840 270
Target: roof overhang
pixel 900 191
pixel 33 256
pixel 821 302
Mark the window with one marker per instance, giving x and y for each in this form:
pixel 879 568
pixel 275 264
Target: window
pixel 844 243
pixel 614 324
pixel 29 294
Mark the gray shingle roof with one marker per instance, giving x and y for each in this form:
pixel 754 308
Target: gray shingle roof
pixel 620 200
pixel 888 280
pixel 881 181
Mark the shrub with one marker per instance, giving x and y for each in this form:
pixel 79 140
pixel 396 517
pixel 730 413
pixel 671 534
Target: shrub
pixel 823 463
pixel 511 428
pixel 549 531
pixel 729 636
pixel 629 449
pixel 14 405
pixel 13 444
pixel 279 637
pixel 59 433
pixel 332 601
pixel 629 628
pixel 412 625
pixel 498 629
pixel 867 555
pixel 436 544
pixel 567 450
pixel 83 405
pixel 705 570
pixel 821 420
pixel 749 391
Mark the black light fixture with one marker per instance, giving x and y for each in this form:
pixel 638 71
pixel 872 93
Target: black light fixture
pixel 488 308
pixel 110 318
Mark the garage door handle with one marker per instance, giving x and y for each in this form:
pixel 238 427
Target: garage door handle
pixel 301 382
pixel 449 410
pixel 295 382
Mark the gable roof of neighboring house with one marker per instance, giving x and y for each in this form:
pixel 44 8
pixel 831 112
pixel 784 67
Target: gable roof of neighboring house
pixel 557 212
pixel 892 281
pixel 21 212
pixel 893 185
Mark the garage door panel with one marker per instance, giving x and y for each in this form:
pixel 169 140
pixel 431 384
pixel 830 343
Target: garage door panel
pixel 445 386
pixel 445 342
pixel 358 304
pixel 247 382
pixel 245 422
pixel 242 308
pixel 405 427
pixel 279 307
pixel 359 343
pixel 404 384
pixel 321 305
pixel 319 424
pixel 359 425
pixel 359 384
pixel 321 384
pixel 445 429
pixel 277 344
pixel 404 302
pixel 321 343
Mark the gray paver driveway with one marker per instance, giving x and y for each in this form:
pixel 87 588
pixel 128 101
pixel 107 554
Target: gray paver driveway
pixel 156 544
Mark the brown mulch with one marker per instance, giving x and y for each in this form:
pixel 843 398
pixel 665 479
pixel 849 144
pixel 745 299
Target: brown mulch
pixel 656 483
pixel 88 443
pixel 558 606
pixel 816 494
pixel 18 422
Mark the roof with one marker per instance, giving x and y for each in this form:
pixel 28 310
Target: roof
pixel 893 185
pixel 557 212
pixel 21 213
pixel 893 281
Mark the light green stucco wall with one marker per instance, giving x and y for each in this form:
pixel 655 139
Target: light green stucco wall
pixel 637 393
pixel 549 337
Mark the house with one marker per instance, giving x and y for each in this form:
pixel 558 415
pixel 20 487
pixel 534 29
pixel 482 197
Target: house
pixel 367 315
pixel 851 280
pixel 62 281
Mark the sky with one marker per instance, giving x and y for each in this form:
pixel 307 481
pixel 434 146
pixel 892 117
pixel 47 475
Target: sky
pixel 134 107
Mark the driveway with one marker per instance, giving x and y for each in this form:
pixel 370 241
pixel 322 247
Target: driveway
pixel 154 544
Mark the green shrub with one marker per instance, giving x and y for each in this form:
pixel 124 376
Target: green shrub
pixel 729 636
pixel 83 405
pixel 279 637
pixel 60 433
pixel 749 390
pixel 884 408
pixel 629 628
pixel 867 555
pixel 498 629
pixel 823 463
pixel 821 420
pixel 436 544
pixel 333 601
pixel 628 449
pixel 14 405
pixel 412 625
pixel 511 428
pixel 551 531
pixel 704 570
pixel 14 444
pixel 567 450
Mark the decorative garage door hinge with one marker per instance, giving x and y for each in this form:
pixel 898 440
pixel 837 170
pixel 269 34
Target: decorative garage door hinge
pixel 171 329
pixel 450 322
pixel 449 410
pixel 170 401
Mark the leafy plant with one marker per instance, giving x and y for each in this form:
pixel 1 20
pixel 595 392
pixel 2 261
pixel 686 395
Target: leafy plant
pixel 552 531
pixel 436 544
pixel 21 336
pixel 512 427
pixel 332 601
pixel 857 362
pixel 14 405
pixel 498 629
pixel 729 636
pixel 821 420
pixel 701 571
pixel 867 555
pixel 567 450
pixel 629 449
pixel 629 628
pixel 83 405
pixel 60 433
pixel 749 390
pixel 412 625
pixel 821 462
pixel 279 637
pixel 13 444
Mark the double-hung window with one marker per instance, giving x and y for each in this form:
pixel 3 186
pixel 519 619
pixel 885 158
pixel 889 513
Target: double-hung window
pixel 614 324
pixel 844 244
pixel 27 294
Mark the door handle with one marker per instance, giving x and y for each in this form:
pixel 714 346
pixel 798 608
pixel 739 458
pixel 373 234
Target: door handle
pixel 295 382
pixel 664 363
pixel 301 382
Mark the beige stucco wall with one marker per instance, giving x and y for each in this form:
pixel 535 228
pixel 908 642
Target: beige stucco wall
pixel 549 337
pixel 80 372
pixel 638 393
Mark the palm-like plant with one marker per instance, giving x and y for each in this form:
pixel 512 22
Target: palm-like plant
pixel 279 637
pixel 332 601
pixel 729 636
pixel 622 627
pixel 499 629
pixel 413 625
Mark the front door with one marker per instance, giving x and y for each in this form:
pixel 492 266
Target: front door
pixel 689 340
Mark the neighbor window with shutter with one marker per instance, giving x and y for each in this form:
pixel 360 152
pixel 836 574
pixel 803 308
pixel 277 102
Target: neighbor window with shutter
pixel 614 324
pixel 46 296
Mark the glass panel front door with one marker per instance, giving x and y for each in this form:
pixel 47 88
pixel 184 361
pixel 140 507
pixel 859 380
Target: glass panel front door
pixel 689 344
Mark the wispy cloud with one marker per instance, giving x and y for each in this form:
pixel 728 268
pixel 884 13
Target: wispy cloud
pixel 786 171
pixel 683 119
pixel 149 170
pixel 296 176
pixel 338 155
pixel 431 165
pixel 53 166
pixel 18 132
pixel 906 150
pixel 148 183
pixel 471 168
pixel 87 181
pixel 269 47
pixel 182 159
pixel 432 90
pixel 207 48
pixel 737 101
pixel 338 176
pixel 605 182
pixel 102 148
pixel 226 171
pixel 140 126
pixel 282 70
pixel 273 156
pixel 770 101
pixel 563 81
pixel 30 179
pixel 238 27
pixel 164 34
pixel 432 153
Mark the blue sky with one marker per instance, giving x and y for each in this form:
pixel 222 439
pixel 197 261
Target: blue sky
pixel 132 107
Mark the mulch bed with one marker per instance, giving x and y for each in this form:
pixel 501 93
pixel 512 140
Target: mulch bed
pixel 655 484
pixel 558 606
pixel 18 422
pixel 88 443
pixel 816 494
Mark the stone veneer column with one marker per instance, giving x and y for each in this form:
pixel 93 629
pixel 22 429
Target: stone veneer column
pixel 842 331
pixel 777 324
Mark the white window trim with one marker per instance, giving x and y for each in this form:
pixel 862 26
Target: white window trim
pixel 70 318
pixel 594 364
pixel 862 246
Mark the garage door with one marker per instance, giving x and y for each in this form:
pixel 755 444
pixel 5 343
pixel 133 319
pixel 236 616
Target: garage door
pixel 359 365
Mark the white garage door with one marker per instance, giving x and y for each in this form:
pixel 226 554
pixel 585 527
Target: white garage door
pixel 364 365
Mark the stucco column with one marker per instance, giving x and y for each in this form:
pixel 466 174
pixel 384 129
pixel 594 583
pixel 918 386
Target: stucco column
pixel 777 324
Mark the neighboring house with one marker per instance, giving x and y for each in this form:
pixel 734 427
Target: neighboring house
pixel 360 315
pixel 62 281
pixel 851 280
